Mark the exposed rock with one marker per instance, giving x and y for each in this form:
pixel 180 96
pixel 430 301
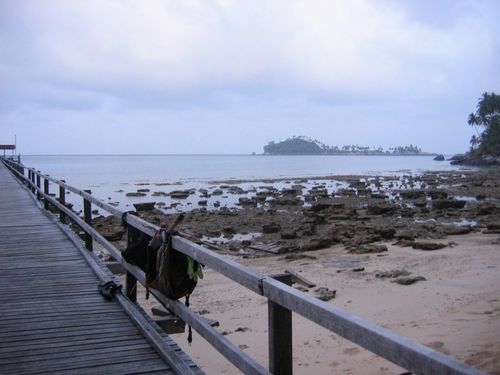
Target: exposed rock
pixel 228 229
pixel 475 160
pixel 409 280
pixel 439 157
pixel 405 235
pixel 392 274
pixel 289 235
pixel 403 243
pixel 146 206
pixel 110 227
pixel 386 232
pixel 325 294
pixel 203 202
pixel 382 208
pixel 244 201
pixel 428 245
pixel 291 191
pixel 317 244
pixel 422 202
pixel 412 194
pixel 271 228
pixel 443 204
pixel 159 194
pixel 437 194
pixel 180 194
pixel 345 192
pixel 369 249
pixel 312 218
pixel 452 230
pixel 485 209
pixel 135 194
pixel 325 203
pixel 236 190
pixel 286 201
pixel 493 227
pixel 292 257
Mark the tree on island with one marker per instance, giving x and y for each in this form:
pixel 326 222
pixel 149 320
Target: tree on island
pixel 486 117
pixel 293 146
pixel 301 145
pixel 485 144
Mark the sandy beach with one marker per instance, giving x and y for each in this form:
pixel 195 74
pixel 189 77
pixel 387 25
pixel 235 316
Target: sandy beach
pixel 356 255
pixel 456 310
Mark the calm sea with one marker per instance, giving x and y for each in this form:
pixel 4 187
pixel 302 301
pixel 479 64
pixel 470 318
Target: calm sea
pixel 111 176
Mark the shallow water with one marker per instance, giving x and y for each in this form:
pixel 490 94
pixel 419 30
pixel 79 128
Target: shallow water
pixel 110 177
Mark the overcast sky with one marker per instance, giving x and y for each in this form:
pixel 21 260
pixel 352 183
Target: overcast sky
pixel 228 76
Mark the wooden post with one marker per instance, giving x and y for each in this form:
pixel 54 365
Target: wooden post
pixel 280 334
pixel 38 185
pixel 62 200
pixel 32 179
pixel 130 280
pixel 87 216
pixel 46 191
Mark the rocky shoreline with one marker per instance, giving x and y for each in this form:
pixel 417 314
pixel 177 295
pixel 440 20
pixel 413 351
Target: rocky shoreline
pixel 476 160
pixel 359 212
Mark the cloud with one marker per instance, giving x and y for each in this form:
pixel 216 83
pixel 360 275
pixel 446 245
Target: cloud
pixel 297 66
pixel 184 45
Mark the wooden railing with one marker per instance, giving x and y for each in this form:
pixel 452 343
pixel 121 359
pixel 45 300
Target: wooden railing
pixel 282 299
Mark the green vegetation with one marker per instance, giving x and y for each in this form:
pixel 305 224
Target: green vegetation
pixel 486 118
pixel 300 145
pixel 296 146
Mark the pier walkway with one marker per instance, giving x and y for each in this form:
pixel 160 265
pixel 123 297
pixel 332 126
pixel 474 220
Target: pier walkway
pixel 52 318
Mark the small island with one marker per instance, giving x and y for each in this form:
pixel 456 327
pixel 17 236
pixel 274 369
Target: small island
pixel 301 145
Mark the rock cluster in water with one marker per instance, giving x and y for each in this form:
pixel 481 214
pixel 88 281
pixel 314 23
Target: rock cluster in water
pixel 418 212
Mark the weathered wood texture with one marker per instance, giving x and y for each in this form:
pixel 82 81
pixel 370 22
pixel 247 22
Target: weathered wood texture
pixel 52 318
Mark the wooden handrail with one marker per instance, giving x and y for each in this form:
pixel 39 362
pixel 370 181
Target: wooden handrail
pixel 233 353
pixel 404 352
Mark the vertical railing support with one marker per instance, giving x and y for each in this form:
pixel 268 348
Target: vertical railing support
pixel 32 179
pixel 38 185
pixel 280 334
pixel 46 191
pixel 62 200
pixel 87 216
pixel 130 280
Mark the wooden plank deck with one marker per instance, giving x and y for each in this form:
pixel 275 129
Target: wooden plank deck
pixel 52 319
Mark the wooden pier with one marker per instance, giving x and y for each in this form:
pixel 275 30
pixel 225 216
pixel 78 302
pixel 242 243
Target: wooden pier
pixel 52 318
pixel 50 312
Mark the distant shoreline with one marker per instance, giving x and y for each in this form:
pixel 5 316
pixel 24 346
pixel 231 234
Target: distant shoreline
pixel 350 154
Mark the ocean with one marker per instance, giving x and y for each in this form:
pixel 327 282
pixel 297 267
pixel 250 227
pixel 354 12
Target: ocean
pixel 110 177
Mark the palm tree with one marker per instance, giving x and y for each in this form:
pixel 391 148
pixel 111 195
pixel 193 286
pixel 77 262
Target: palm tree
pixel 473 120
pixel 473 142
